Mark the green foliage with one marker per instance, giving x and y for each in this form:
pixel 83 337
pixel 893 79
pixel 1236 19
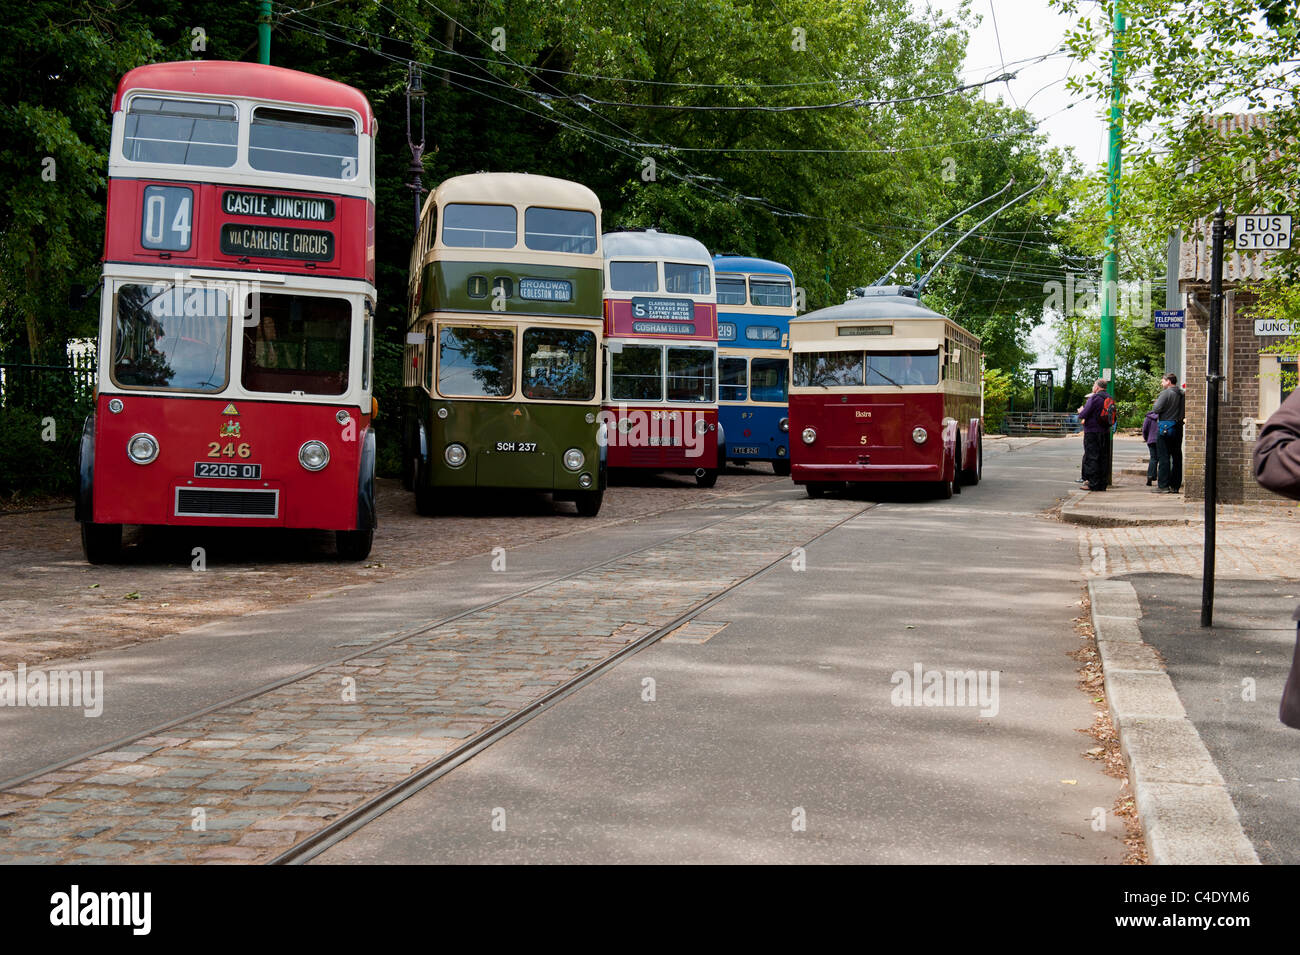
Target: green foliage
pixel 28 462
pixel 999 387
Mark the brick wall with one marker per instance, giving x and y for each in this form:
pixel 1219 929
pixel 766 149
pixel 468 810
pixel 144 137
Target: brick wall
pixel 1239 401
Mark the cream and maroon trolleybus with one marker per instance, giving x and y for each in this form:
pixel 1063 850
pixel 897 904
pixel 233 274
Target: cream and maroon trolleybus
pixel 884 389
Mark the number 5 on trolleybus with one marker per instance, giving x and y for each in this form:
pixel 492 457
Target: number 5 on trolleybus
pixel 661 334
pixel 884 389
pixel 502 380
pixel 235 327
pixel 755 305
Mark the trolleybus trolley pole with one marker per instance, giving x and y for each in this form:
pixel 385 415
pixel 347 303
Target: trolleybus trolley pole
pixel 1212 380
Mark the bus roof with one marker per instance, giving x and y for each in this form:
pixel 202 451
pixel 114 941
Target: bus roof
pixel 742 263
pixel 651 244
pixel 516 188
pixel 875 306
pixel 251 80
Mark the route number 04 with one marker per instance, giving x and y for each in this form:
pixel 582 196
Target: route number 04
pixel 167 218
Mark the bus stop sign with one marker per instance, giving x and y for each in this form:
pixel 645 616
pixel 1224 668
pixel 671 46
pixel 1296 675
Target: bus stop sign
pixel 1256 233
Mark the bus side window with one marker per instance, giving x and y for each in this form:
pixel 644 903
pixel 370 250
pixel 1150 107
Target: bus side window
pixel 429 345
pixel 365 354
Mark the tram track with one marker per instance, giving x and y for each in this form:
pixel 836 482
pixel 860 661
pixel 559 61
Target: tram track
pixel 356 652
pixel 356 819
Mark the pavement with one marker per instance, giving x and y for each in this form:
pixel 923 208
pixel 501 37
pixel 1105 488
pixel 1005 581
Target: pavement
pixel 1216 776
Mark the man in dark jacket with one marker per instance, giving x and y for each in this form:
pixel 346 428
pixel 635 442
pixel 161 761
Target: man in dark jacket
pixel 1277 467
pixel 1169 436
pixel 1094 431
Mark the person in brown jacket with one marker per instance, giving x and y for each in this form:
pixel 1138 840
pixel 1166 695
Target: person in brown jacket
pixel 1277 467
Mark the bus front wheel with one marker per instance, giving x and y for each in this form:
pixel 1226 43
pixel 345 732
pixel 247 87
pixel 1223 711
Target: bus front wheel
pixel 781 467
pixel 589 502
pixel 101 543
pixel 354 545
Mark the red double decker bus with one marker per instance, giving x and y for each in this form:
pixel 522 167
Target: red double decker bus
pixel 884 389
pixel 661 340
pixel 236 321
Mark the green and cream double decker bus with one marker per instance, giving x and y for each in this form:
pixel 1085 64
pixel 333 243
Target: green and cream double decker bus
pixel 503 341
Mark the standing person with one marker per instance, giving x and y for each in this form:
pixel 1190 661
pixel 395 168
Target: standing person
pixel 1168 408
pixel 1150 429
pixel 1277 467
pixel 1094 433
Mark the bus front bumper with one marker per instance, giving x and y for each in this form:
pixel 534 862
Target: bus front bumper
pixel 811 473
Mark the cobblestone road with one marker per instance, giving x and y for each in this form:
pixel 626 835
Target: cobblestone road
pixel 55 606
pixel 244 783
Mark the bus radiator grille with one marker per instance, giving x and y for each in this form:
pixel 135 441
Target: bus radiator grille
pixel 218 502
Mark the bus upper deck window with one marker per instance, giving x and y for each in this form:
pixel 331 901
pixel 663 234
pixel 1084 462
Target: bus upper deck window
pixel 560 230
pixel 303 144
pixel 687 279
pixel 180 132
pixel 633 277
pixel 731 291
pixel 770 294
pixel 468 226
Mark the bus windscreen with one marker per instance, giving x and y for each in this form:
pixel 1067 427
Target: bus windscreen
pixel 170 338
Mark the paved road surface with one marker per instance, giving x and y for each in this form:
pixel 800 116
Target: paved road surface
pixel 785 715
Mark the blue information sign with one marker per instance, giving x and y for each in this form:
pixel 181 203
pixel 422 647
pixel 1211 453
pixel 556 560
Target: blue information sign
pixel 1168 318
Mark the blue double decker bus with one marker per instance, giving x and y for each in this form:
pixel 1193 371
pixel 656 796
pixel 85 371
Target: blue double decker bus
pixel 755 305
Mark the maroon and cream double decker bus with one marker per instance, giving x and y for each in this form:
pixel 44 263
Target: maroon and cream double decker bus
pixel 234 382
pixel 661 338
pixel 884 389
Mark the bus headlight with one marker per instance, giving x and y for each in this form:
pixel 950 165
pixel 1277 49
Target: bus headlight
pixel 142 448
pixel 574 459
pixel 314 455
pixel 455 455
pixel 809 435
pixel 701 426
pixel 784 425
pixel 919 435
pixel 584 482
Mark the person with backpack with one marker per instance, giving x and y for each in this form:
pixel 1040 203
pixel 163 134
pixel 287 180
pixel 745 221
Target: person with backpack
pixel 1168 409
pixel 1096 429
